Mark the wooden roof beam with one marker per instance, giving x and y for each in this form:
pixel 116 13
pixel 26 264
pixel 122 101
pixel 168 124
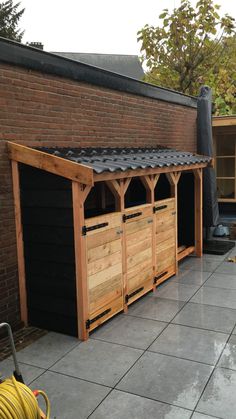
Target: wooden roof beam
pixel 53 164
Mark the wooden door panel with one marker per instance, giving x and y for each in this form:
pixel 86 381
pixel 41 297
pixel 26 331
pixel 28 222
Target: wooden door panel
pixel 165 235
pixel 139 248
pixel 104 265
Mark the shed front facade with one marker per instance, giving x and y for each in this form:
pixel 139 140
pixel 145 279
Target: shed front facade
pixel 98 228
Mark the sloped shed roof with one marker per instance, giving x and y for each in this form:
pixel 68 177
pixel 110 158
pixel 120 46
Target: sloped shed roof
pixel 122 159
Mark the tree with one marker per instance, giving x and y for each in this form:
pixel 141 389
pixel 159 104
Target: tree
pixel 9 19
pixel 188 47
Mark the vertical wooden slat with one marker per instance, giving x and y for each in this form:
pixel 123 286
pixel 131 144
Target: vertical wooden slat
pixel 78 196
pixel 198 219
pixel 19 242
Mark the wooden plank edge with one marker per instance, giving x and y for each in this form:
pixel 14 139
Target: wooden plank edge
pixel 186 252
pixel 52 164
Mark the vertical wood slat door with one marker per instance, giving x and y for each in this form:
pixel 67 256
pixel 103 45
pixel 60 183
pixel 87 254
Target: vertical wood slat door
pixel 165 213
pixel 138 240
pixel 104 267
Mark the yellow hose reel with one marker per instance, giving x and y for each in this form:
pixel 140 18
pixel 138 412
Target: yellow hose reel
pixel 17 401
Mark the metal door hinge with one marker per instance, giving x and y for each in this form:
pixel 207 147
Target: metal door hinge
pixel 89 322
pixel 95 227
pixel 127 217
pixel 155 209
pixel 128 296
pixel 159 277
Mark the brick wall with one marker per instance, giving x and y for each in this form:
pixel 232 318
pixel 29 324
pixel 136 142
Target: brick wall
pixel 37 109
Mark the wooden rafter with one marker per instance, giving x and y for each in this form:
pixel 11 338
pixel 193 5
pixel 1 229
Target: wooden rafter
pixel 53 164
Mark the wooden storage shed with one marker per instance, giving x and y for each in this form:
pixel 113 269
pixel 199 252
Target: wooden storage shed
pixel 98 228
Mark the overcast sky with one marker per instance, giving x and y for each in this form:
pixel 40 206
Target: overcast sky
pixel 101 26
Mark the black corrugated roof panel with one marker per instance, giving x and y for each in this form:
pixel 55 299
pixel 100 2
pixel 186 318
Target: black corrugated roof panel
pixel 121 159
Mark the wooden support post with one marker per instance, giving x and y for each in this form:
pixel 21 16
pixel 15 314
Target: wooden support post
pixel 79 194
pixel 114 187
pixel 119 188
pixel 19 243
pixel 123 188
pixel 149 183
pixel 198 219
pixel 173 179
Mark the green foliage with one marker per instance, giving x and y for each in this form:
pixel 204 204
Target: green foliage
pixel 190 47
pixel 9 19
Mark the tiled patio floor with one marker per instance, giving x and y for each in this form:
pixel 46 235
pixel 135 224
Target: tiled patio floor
pixel 173 356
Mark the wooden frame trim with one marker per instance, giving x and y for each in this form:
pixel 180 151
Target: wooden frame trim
pixel 79 194
pixel 223 121
pixel 53 164
pixel 19 243
pixel 105 176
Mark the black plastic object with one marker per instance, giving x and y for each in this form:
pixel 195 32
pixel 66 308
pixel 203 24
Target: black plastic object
pixel 205 146
pixel 217 247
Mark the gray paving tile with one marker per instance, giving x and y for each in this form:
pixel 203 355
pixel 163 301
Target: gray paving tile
pixel 152 307
pixel 215 257
pixel 216 296
pixel 29 373
pixel 234 331
pixel 190 343
pixel 131 331
pixel 219 398
pixel 219 319
pixel 228 358
pixel 187 277
pixel 176 291
pixel 222 281
pixel 47 350
pixel 227 268
pixel 99 362
pixel 119 405
pixel 167 379
pixel 197 415
pixel 70 398
pixel 199 264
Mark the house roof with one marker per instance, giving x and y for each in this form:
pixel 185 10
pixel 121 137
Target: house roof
pixel 112 160
pixel 128 65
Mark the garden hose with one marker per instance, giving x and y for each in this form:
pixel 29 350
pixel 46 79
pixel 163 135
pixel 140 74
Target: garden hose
pixel 17 401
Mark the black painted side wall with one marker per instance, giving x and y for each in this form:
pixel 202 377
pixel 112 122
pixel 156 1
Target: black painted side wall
pixel 47 218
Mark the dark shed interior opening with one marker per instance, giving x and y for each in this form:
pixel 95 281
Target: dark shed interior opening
pixel 162 189
pixel 47 218
pixel 136 193
pixel 100 201
pixel 186 210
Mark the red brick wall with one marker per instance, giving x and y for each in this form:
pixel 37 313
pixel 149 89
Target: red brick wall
pixel 37 109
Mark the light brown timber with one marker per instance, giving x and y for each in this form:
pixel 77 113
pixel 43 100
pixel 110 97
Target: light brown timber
pixel 19 242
